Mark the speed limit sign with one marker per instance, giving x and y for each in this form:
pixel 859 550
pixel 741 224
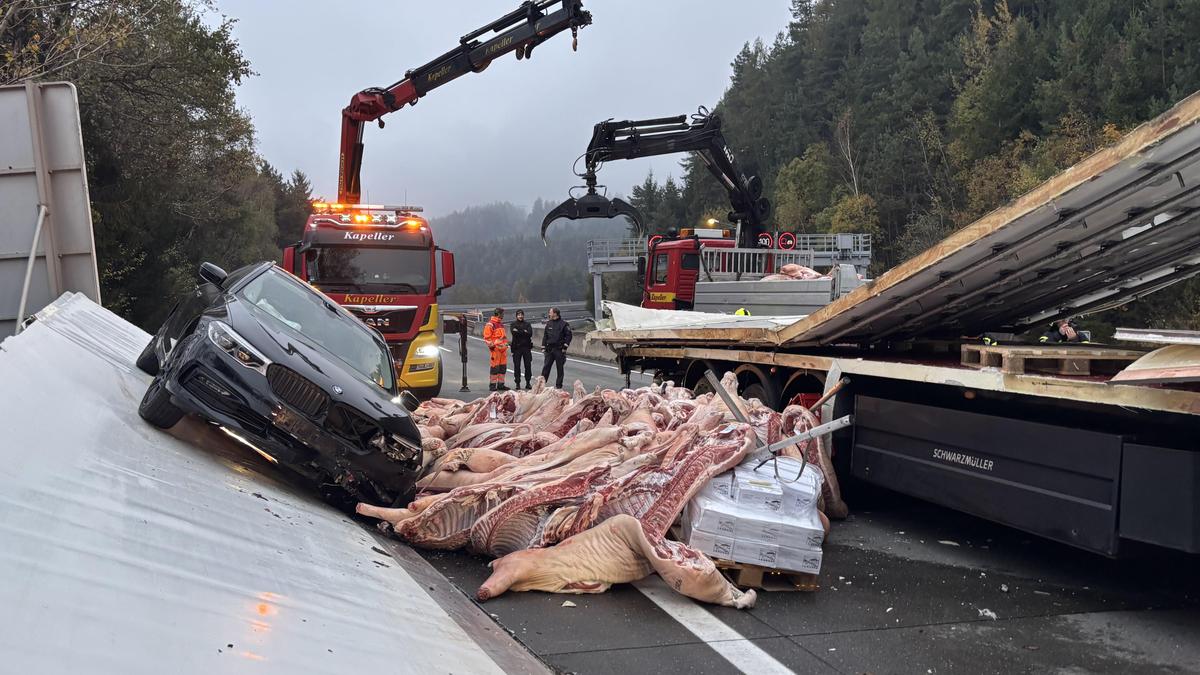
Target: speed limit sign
pixel 765 240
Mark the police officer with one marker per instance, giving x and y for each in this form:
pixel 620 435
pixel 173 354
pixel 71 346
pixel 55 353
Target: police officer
pixel 522 349
pixel 555 340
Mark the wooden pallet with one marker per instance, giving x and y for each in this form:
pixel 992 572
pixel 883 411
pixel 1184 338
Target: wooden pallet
pixel 1056 360
pixel 743 575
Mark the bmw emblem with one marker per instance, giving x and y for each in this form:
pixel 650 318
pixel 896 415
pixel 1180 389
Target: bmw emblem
pixel 337 389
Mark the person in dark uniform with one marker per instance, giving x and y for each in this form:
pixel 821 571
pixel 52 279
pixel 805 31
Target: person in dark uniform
pixel 522 349
pixel 555 340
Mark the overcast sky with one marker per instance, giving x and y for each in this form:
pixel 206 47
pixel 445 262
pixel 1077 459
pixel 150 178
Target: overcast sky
pixel 510 133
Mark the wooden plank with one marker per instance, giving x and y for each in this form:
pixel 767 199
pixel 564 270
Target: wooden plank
pixel 1083 391
pixel 744 575
pixel 1055 359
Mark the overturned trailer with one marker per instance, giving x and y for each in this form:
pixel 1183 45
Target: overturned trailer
pixel 1039 439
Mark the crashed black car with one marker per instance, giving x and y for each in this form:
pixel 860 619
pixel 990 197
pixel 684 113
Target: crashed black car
pixel 288 372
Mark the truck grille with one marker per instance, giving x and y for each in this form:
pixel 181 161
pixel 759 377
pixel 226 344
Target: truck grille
pixel 296 391
pixel 394 321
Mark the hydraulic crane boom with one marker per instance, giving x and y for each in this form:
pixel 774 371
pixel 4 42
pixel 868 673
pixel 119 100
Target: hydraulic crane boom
pixel 663 136
pixel 518 31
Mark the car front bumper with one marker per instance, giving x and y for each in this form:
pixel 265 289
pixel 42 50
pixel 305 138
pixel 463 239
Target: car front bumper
pixel 204 380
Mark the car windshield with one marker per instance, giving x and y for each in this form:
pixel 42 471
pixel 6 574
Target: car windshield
pixel 286 303
pixel 385 270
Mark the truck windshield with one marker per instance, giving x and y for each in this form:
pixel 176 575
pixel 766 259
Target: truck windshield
pixel 285 304
pixel 384 270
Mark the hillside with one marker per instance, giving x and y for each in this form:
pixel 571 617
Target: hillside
pixel 499 255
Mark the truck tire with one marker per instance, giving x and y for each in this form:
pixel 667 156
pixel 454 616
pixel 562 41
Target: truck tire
pixel 147 361
pixel 156 406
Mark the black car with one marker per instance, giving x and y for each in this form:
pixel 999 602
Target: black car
pixel 288 372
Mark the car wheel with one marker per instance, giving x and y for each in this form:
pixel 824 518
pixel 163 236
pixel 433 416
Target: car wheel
pixel 156 407
pixel 147 361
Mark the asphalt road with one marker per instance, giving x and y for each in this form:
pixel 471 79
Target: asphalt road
pixel 590 373
pixel 906 587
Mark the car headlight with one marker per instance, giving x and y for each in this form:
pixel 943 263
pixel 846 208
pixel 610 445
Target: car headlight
pixel 396 447
pixel 427 352
pixel 237 346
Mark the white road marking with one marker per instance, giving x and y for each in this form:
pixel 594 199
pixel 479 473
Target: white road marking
pixel 446 349
pixel 586 363
pixel 730 644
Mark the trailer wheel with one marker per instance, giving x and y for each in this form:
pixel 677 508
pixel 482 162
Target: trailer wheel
pixel 694 377
pixel 756 382
pixel 156 407
pixel 147 361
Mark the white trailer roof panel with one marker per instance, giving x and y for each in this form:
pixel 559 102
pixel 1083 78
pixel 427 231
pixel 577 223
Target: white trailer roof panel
pixel 124 549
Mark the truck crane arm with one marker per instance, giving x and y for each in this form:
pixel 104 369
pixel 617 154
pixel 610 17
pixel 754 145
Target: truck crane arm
pixel 518 31
pixel 631 139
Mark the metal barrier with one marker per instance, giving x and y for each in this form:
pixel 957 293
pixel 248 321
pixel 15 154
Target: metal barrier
pixel 601 249
pixel 735 264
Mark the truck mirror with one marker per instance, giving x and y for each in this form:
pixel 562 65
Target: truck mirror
pixel 212 274
pixel 445 269
pixel 641 268
pixel 451 325
pixel 289 259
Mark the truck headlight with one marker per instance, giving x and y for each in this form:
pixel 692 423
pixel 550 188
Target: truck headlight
pixel 237 346
pixel 427 352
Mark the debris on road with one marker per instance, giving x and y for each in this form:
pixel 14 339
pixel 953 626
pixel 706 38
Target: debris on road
pixel 568 603
pixel 987 614
pixel 575 492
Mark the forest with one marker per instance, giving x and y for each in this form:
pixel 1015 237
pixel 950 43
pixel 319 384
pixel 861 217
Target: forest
pixel 499 256
pixel 906 119
pixel 173 171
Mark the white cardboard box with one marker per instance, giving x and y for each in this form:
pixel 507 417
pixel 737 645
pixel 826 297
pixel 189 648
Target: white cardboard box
pixel 712 513
pixel 754 553
pixel 800 489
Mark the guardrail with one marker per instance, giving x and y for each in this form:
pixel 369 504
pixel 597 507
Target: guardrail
pixel 534 311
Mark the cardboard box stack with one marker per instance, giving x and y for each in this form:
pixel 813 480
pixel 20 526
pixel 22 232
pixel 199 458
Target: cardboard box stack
pixel 765 517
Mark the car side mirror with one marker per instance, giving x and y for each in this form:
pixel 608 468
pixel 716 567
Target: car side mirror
pixel 409 401
pixel 212 274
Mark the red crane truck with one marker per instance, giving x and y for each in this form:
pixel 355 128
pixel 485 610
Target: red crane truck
pixel 671 265
pixel 381 261
pixel 382 264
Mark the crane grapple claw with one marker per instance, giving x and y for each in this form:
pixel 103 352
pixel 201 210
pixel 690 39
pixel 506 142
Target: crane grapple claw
pixel 593 205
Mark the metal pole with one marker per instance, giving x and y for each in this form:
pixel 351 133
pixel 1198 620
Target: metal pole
pixel 598 296
pixel 820 430
pixel 462 349
pixel 720 391
pixel 37 234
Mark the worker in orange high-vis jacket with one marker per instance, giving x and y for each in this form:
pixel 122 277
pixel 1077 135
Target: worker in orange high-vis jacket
pixel 497 343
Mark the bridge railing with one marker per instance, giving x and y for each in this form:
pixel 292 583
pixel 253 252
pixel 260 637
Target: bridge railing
pixel 600 249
